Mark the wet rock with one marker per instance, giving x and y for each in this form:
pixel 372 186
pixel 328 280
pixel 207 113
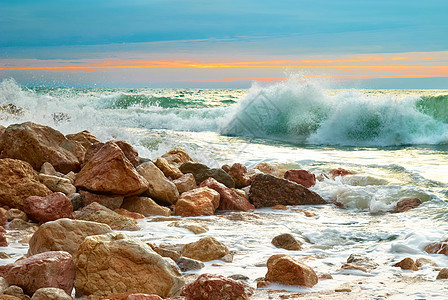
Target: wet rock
pixel 145 206
pixel 239 174
pixel 268 191
pixel 406 204
pixel 185 183
pixel 303 177
pixel 18 181
pixel 129 214
pixel 95 212
pixel 49 208
pixel 114 263
pixel 202 172
pixel 109 201
pixel 187 264
pixel 269 169
pixel 168 170
pixel 208 286
pixel 229 199
pixel 14 213
pixel 339 172
pixel 420 262
pixel 48 269
pixel 325 276
pixel 407 264
pixel 3 240
pixel 286 241
pixel 3 218
pixel 164 252
pixel 360 262
pixel 198 202
pixel 285 270
pixel 85 138
pixel 443 274
pixel 50 294
pixel 14 292
pixel 159 187
pixel 110 172
pixel 177 157
pixel 195 228
pixel 64 235
pixel 76 199
pixel 438 247
pixel 57 184
pixel 4 255
pixel 47 169
pixel 239 277
pixel 205 249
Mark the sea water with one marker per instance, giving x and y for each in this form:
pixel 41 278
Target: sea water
pixel 394 141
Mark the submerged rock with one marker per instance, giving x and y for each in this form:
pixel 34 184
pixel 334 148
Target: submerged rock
pixel 360 262
pixel 208 286
pixel 438 247
pixel 406 204
pixel 187 264
pixel 198 202
pixel 159 187
pixel 285 270
pixel 205 249
pixel 201 172
pixel 48 208
pixel 286 241
pixel 339 172
pixel 407 264
pixel 303 177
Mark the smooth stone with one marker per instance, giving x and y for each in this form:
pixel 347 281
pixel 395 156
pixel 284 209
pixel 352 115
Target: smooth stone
pixel 285 270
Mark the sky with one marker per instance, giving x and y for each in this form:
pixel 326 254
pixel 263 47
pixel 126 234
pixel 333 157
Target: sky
pixel 172 43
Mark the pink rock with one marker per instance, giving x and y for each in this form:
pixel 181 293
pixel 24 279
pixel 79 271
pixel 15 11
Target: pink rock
pixel 340 172
pixel 185 183
pixel 49 208
pixel 49 269
pixel 229 199
pixel 302 177
pixel 198 202
pixel 239 174
pixel 208 286
pixel 128 151
pixel 406 204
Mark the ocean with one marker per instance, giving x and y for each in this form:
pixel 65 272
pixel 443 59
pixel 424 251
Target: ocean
pixel 394 141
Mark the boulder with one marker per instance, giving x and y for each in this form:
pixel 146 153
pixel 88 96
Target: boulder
pixel 239 174
pixel 50 294
pixel 64 235
pixel 202 172
pixel 406 204
pixel 407 264
pixel 145 206
pixel 170 171
pixel 109 201
pixel 14 213
pixel 47 169
pixel 129 152
pixel 114 263
pixel 18 181
pixel 177 157
pixel 303 177
pixel 110 172
pixel 57 184
pixel 14 292
pixel 285 270
pixel 286 241
pixel 129 214
pixel 96 212
pixel 37 144
pixel 49 269
pixel 267 191
pixel 229 199
pixel 443 274
pixel 187 264
pixel 185 183
pixel 208 286
pixel 198 202
pixel 159 187
pixel 49 208
pixel 438 247
pixel 205 249
pixel 85 138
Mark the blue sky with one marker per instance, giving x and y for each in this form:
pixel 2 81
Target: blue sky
pixel 47 31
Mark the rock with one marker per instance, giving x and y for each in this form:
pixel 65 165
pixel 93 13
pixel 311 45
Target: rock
pixel 239 174
pixel 208 286
pixel 76 199
pixel 110 172
pixel 286 241
pixel 129 214
pixel 70 176
pixel 268 169
pixel 360 262
pixel 198 202
pixel 64 235
pixel 177 157
pixel 57 184
pixel 3 241
pixel 164 252
pixel 406 204
pixel 145 206
pixel 302 177
pixel 339 172
pixel 187 264
pixel 229 199
pixel 2 129
pixel 185 183
pixel 109 201
pixel 85 138
pixel 443 274
pixel 407 264
pixel 205 249
pixel 4 255
pixel 159 187
pixel 170 171
pixel 3 284
pixel 47 169
pixel 48 269
pixel 129 152
pixel 14 213
pixel 420 262
pixel 19 224
pixel 202 172
pixel 239 277
pixel 438 247
pixel 268 191
pixel 3 218
pixel 114 263
pixel 195 228
pixel 96 212
pixel 50 294
pixel 18 181
pixel 14 292
pixel 37 144
pixel 49 208
pixel 285 270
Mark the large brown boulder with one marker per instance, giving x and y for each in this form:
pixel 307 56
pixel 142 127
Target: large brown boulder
pixel 114 263
pixel 49 269
pixel 18 181
pixel 198 202
pixel 145 206
pixel 110 172
pixel 303 177
pixel 64 235
pixel 205 249
pixel 267 191
pixel 109 201
pixel 85 138
pixel 48 208
pixel 285 270
pixel 229 199
pixel 37 144
pixel 159 187
pixel 128 151
pixel 177 157
pixel 201 172
pixel 208 286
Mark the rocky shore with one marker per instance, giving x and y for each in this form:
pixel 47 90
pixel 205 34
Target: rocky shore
pixel 72 199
